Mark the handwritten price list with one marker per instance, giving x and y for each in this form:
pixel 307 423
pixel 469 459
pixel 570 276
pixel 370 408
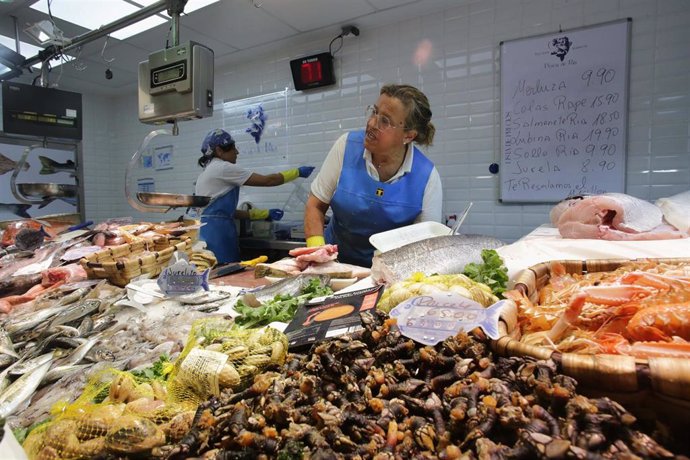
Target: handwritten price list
pixel 563 126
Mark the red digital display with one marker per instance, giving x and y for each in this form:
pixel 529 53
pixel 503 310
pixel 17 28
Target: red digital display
pixel 311 72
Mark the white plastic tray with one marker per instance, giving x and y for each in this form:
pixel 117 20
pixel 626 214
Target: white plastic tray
pixel 392 239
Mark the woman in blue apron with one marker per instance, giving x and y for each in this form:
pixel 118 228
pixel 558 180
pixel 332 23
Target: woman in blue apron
pixel 221 179
pixel 376 179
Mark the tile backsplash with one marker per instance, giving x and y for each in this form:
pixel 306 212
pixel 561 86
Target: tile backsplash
pixel 460 77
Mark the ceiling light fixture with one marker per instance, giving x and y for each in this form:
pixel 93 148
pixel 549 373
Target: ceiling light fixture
pixel 92 14
pixel 26 49
pixel 46 33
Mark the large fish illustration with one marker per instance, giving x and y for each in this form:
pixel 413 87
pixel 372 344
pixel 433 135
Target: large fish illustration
pixel 16 209
pixel 50 166
pixel 8 164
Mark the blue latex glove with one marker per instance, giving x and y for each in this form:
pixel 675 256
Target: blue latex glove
pixel 305 171
pixel 275 214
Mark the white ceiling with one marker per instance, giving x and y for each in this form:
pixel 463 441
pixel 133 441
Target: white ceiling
pixel 236 30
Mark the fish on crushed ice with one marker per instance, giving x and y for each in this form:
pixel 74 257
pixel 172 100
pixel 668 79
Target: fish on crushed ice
pixel 22 389
pixel 6 346
pixel 79 353
pixel 202 297
pixel 18 324
pixel 58 372
pixel 25 366
pixel 440 254
pixel 75 312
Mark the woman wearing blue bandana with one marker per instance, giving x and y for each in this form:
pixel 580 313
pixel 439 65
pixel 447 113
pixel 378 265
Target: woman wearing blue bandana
pixel 376 179
pixel 221 179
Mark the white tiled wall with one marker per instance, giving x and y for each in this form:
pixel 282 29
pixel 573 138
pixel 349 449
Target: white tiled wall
pixel 461 81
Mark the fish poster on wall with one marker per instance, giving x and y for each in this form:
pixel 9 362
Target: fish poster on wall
pixel 50 182
pixel 259 125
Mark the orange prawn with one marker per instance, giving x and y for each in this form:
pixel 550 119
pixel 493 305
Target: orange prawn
pixel 660 323
pixel 617 344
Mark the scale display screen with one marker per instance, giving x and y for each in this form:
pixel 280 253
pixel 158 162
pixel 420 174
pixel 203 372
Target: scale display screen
pixel 168 74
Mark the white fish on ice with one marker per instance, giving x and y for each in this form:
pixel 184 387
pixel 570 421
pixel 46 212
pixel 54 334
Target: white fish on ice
pixel 21 389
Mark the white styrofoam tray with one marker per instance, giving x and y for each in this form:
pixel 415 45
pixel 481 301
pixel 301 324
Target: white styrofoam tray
pixel 392 239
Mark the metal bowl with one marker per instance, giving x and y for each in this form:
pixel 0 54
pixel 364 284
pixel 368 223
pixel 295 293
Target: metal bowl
pixel 173 200
pixel 48 190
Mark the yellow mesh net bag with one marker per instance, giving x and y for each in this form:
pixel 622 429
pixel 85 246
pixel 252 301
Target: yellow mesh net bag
pixel 218 356
pixel 118 413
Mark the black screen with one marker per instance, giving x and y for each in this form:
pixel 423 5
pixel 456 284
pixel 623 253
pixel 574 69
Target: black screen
pixel 39 111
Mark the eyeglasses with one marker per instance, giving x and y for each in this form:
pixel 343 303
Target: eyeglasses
pixel 382 121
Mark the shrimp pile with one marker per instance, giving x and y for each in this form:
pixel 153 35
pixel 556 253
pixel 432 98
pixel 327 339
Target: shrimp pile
pixel 641 309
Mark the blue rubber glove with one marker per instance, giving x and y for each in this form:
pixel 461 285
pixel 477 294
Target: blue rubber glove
pixel 275 214
pixel 305 171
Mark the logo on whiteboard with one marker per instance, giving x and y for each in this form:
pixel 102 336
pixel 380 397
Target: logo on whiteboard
pixel 559 47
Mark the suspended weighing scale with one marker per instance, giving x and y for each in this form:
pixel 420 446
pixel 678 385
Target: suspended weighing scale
pixel 175 84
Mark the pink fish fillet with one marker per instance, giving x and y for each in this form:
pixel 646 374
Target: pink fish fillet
pixel 321 255
pixel 328 248
pixel 611 216
pixel 67 273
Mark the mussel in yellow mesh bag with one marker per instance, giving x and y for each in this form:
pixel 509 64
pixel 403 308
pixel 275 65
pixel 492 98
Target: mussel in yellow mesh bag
pixel 118 413
pixel 219 355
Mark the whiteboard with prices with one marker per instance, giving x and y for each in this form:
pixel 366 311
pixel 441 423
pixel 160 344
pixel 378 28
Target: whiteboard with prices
pixel 564 103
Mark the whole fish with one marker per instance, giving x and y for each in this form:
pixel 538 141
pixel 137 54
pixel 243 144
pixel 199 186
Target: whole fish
pixel 75 312
pixel 6 346
pixel 85 327
pixel 16 209
pixel 441 254
pixel 79 353
pixel 25 366
pixel 58 372
pixel 19 324
pixel 50 166
pixel 202 297
pixel 292 285
pixel 73 296
pixel 8 164
pixel 22 389
pixel 19 284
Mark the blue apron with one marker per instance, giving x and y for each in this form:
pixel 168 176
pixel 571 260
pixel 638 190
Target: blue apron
pixel 363 206
pixel 219 232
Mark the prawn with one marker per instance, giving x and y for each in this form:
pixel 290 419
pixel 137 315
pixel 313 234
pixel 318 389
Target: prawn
pixel 660 323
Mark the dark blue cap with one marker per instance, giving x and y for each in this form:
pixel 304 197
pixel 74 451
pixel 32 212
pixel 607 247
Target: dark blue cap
pixel 217 138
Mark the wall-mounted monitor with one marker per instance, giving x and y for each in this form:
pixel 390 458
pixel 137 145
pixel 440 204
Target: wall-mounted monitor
pixel 38 111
